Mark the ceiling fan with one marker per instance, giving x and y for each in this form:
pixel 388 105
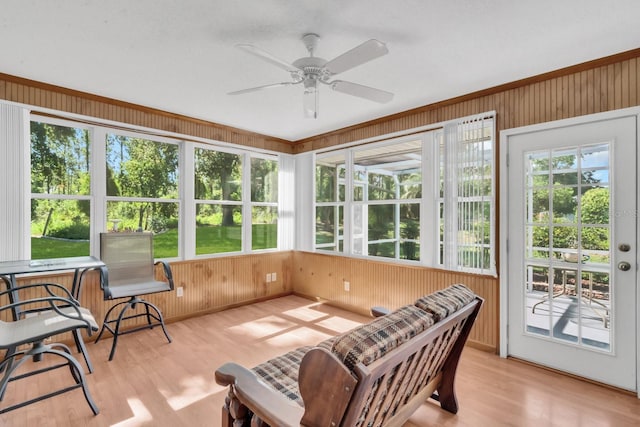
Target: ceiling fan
pixel 310 71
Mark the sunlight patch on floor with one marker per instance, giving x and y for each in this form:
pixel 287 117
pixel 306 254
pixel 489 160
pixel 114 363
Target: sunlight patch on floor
pixel 140 415
pixel 261 328
pixel 338 324
pixel 194 389
pixel 306 314
pixel 296 338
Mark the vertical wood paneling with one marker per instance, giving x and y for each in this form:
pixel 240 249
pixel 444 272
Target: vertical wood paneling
pixel 633 79
pixel 65 100
pixel 374 283
pixel 214 284
pixel 591 88
pixel 209 285
pixel 586 91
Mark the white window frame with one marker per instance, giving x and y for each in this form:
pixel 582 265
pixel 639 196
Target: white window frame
pixel 241 202
pixel 429 203
pixel 186 200
pixel 45 196
pixel 101 190
pixel 250 204
pixel 336 205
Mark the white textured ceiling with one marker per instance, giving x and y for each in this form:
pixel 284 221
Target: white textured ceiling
pixel 179 55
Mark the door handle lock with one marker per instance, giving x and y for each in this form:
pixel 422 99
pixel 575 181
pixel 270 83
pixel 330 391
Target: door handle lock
pixel 624 266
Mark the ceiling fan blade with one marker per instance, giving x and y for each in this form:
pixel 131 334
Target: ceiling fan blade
pixel 371 49
pixel 266 56
pixel 366 92
pixel 310 102
pixel 253 89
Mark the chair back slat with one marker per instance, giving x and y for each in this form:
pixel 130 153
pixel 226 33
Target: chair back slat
pixel 385 386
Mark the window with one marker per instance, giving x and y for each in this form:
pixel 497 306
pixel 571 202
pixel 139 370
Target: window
pixel 467 201
pixel 218 194
pixel 330 202
pixel 87 179
pixel 428 198
pixel 387 188
pixel 61 190
pixel 264 203
pixel 142 189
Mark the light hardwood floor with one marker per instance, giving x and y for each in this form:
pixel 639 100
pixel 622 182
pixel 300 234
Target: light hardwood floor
pixel 153 383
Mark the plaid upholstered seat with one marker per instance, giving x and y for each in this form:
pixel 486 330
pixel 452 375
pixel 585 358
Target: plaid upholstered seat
pixel 281 373
pixel 369 342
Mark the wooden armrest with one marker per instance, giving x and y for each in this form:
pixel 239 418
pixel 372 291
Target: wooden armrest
pixel 323 378
pixel 271 406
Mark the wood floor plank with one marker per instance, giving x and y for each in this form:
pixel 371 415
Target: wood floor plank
pixel 153 383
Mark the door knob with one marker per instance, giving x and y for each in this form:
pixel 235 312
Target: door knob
pixel 624 266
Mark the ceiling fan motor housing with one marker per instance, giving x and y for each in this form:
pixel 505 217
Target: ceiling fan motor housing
pixel 312 70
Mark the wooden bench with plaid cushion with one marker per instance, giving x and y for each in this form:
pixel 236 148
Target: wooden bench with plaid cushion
pixel 378 373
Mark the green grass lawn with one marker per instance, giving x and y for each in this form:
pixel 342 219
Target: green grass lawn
pixel 209 240
pixel 42 248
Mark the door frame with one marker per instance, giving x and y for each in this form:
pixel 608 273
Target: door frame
pixel 504 217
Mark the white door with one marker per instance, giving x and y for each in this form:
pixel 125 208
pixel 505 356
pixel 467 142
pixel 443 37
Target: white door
pixel 571 249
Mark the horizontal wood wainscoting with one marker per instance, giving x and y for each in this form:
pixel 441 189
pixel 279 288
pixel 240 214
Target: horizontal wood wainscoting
pixel 377 283
pixel 210 285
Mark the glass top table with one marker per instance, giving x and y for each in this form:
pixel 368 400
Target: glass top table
pixel 52 264
pixel 10 269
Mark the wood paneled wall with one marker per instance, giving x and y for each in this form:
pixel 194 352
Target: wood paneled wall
pixel 210 285
pixel 602 85
pixel 378 283
pixel 605 84
pixel 61 99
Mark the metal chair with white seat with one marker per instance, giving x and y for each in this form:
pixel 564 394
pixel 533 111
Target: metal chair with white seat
pixel 130 273
pixel 60 313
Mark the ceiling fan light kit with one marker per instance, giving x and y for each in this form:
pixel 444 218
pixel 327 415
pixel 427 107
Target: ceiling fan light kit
pixel 310 71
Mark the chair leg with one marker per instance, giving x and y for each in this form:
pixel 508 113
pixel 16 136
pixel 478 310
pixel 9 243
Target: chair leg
pixel 129 304
pixel 161 319
pixel 8 353
pixel 64 348
pixel 36 352
pixel 77 337
pixel 79 377
pixel 105 324
pixel 9 367
pixel 146 309
pixel 121 316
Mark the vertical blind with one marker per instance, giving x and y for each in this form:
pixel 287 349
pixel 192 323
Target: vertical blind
pixel 14 182
pixel 469 189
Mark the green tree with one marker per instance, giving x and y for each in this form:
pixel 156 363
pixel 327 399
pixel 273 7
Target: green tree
pixel 144 168
pixel 264 180
pixel 565 184
pixel 217 177
pixel 59 159
pixel 595 211
pixel 60 165
pixel 327 179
